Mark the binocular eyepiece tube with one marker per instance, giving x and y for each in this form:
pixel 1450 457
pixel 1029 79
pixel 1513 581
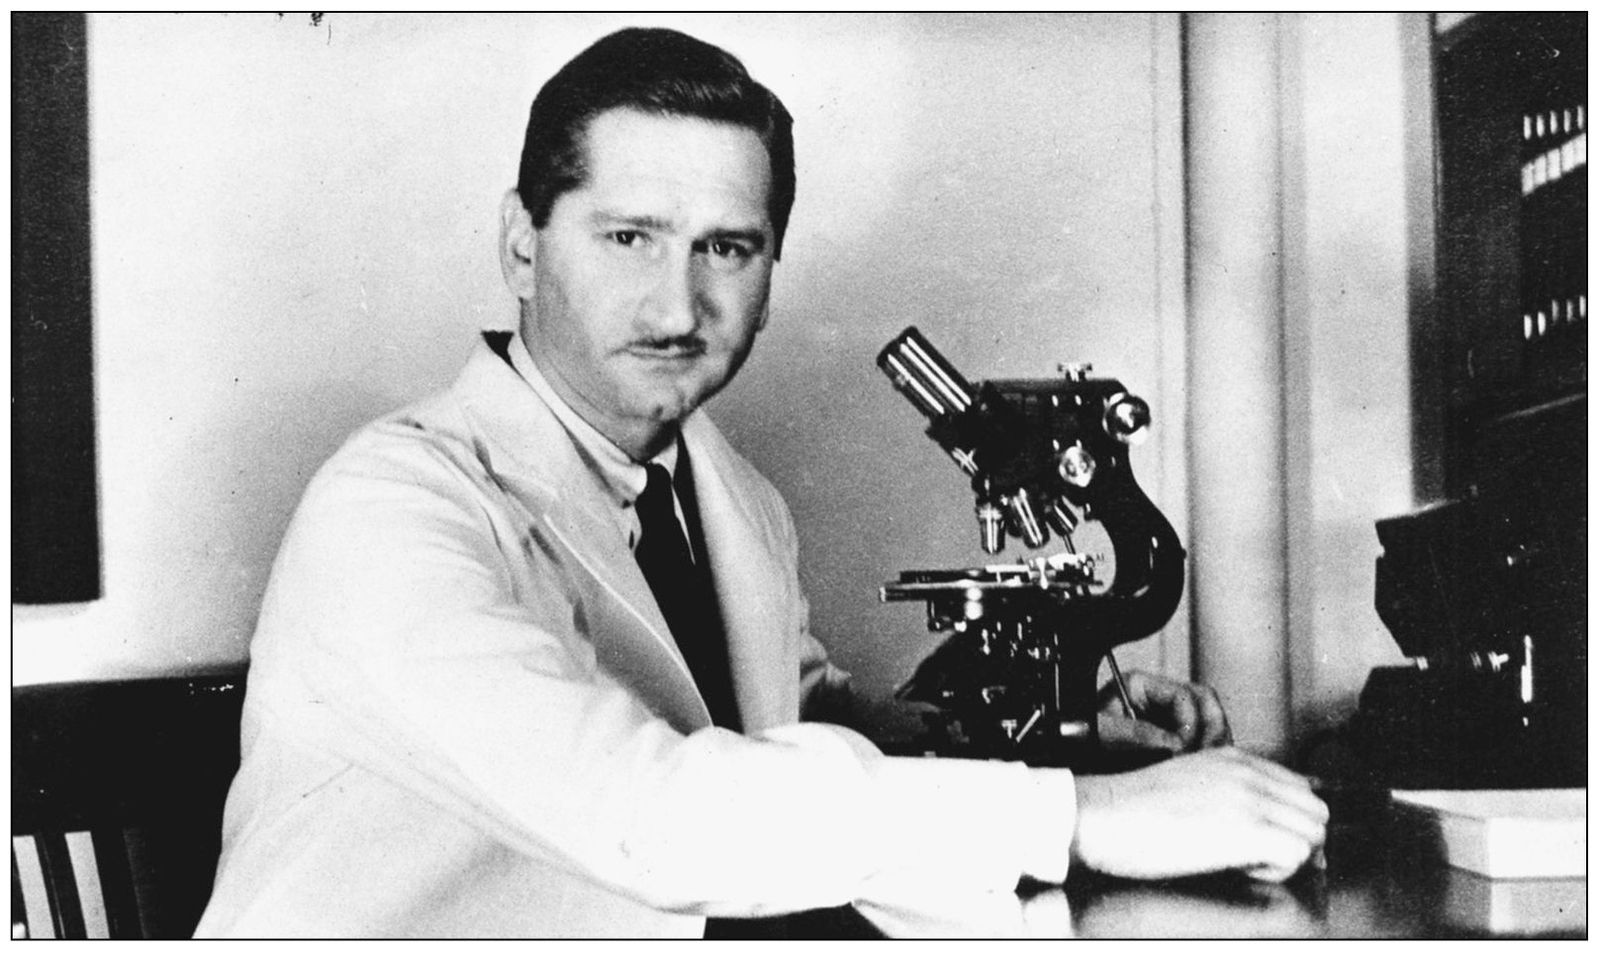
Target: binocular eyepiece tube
pixel 921 374
pixel 939 391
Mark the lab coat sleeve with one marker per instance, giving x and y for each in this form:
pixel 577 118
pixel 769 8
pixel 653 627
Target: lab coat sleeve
pixel 427 659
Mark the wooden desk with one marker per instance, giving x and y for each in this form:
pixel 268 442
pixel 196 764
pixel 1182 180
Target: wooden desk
pixel 1380 882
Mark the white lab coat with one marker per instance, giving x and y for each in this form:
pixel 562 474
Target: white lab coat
pixel 466 716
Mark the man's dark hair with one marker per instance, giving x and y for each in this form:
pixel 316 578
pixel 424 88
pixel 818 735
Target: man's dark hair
pixel 656 71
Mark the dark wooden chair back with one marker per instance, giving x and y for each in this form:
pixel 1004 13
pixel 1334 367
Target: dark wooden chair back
pixel 117 791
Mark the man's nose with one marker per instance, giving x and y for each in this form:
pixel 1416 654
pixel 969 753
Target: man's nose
pixel 674 307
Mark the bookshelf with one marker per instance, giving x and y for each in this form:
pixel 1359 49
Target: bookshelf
pixel 1505 355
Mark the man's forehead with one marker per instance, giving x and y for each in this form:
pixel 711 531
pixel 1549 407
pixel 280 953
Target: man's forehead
pixel 632 156
pixel 636 121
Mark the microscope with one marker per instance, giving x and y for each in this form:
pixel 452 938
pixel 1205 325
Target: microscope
pixel 1016 675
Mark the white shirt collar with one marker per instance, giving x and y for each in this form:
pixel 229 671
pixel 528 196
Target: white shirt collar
pixel 623 477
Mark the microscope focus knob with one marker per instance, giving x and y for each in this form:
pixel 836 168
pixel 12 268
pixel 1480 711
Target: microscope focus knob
pixel 1127 418
pixel 1077 466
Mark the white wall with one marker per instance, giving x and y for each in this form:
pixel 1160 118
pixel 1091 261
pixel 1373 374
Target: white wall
pixel 1347 306
pixel 1299 409
pixel 294 232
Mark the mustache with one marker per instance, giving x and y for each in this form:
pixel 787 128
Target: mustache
pixel 685 344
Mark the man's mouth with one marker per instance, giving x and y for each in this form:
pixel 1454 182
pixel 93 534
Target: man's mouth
pixel 670 349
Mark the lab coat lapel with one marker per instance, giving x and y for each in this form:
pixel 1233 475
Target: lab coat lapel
pixel 533 458
pixel 625 626
pixel 751 587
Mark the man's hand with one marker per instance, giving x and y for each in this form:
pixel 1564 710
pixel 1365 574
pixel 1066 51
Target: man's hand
pixel 1211 811
pixel 1173 716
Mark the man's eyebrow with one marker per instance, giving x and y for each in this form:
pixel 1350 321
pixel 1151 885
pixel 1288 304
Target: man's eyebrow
pixel 615 219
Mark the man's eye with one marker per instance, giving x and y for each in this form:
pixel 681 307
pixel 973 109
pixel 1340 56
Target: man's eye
pixel 726 249
pixel 626 238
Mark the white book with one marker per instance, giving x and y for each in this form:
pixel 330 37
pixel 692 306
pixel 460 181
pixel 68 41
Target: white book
pixel 1516 906
pixel 1508 833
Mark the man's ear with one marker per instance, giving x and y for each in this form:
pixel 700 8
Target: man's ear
pixel 518 240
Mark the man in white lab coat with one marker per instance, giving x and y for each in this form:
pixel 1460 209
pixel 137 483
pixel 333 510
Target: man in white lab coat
pixel 473 710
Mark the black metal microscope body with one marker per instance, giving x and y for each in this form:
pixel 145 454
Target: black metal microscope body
pixel 1016 678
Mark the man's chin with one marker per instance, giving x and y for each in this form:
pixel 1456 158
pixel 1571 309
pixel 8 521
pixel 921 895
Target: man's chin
pixel 669 401
pixel 668 407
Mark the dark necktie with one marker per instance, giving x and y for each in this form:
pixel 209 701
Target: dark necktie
pixel 684 591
